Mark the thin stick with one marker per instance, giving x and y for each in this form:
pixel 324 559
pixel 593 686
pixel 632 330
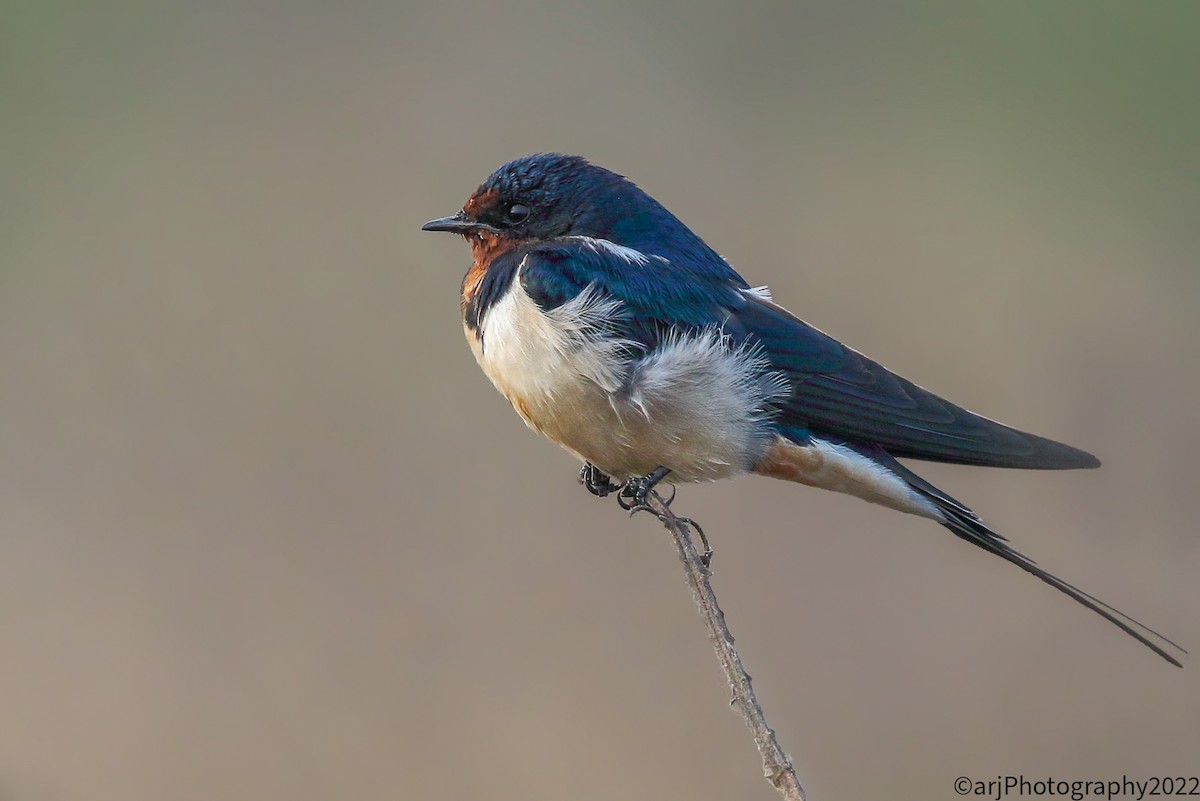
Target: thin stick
pixel 777 765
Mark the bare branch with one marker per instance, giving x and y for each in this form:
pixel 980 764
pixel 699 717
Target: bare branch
pixel 777 765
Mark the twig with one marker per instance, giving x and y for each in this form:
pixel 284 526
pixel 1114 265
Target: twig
pixel 777 765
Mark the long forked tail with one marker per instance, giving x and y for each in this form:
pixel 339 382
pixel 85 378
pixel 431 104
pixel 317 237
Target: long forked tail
pixel 966 525
pixel 871 473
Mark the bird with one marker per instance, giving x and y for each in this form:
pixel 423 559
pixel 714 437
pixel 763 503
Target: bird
pixel 617 332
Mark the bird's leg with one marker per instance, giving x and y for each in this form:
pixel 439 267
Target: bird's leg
pixel 596 482
pixel 633 494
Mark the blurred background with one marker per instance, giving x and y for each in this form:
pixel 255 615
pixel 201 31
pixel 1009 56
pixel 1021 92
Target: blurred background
pixel 267 532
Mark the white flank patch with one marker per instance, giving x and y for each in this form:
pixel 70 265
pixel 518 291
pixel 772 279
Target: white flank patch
pixel 760 292
pixel 703 369
pixel 707 402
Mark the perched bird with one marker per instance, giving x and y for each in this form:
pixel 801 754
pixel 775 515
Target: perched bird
pixel 616 332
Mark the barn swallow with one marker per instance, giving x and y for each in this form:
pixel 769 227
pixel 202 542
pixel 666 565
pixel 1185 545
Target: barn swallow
pixel 618 333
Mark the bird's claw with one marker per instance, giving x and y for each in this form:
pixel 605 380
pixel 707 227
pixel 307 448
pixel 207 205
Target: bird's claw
pixel 636 490
pixel 633 497
pixel 595 481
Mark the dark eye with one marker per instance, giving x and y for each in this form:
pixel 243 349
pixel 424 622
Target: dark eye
pixel 518 212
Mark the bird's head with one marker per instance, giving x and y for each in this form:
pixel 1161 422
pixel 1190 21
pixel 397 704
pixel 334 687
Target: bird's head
pixel 546 196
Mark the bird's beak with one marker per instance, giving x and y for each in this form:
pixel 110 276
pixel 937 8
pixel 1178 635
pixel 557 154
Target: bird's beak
pixel 457 224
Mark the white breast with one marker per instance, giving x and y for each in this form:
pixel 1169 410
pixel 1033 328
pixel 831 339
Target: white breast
pixel 696 405
pixel 533 354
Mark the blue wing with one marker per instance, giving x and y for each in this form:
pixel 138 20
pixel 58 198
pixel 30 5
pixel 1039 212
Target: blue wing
pixel 861 400
pixel 835 391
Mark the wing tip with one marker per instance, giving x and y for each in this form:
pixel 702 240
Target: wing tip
pixel 1051 455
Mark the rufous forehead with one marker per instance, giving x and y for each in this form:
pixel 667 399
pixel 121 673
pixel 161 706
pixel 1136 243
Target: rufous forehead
pixel 481 201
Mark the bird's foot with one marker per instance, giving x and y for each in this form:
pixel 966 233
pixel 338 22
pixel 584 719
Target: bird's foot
pixel 633 495
pixel 595 481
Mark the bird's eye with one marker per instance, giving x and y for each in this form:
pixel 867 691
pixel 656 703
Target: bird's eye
pixel 517 212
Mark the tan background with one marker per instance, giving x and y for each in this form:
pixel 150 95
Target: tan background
pixel 267 533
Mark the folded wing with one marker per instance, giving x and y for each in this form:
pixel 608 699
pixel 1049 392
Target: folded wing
pixel 834 389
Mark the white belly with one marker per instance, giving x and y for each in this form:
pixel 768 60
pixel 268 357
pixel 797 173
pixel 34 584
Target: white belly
pixel 696 405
